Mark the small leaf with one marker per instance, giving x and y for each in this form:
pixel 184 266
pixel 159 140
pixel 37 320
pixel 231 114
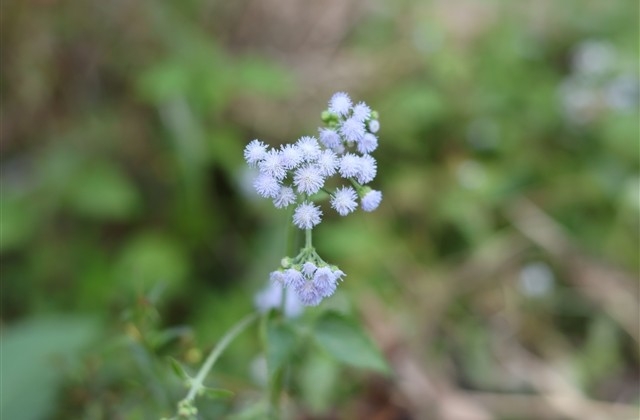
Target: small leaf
pixel 281 344
pixel 216 393
pixel 345 341
pixel 178 369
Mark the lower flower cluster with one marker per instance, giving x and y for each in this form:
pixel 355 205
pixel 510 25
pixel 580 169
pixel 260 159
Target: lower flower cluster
pixel 310 277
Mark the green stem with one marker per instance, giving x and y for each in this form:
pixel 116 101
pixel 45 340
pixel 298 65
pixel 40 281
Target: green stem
pixel 307 239
pixel 198 382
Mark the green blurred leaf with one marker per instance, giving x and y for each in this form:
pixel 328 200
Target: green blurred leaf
pixel 34 353
pixel 103 192
pixel 281 344
pixel 178 369
pixel 347 343
pixel 151 258
pixel 319 377
pixel 216 393
pixel 17 222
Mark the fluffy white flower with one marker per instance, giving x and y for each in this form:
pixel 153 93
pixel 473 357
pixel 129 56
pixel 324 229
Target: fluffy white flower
pixel 307 215
pixel 284 198
pixel 266 185
pixel 254 152
pixel 371 200
pixel 309 148
pixel 368 143
pixel 308 179
pixel 344 200
pixel 340 104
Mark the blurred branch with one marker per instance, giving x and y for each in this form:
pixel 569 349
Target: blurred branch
pixel 609 288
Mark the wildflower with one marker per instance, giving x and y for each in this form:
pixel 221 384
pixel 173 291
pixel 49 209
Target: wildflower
pixel 290 156
pixel 352 129
pixel 309 148
pixel 349 165
pixel 308 293
pixel 327 163
pixel 330 138
pixel 306 215
pixel 325 281
pixel 371 200
pixel 292 277
pixel 361 112
pixel 284 198
pixel 271 297
pixel 266 185
pixel 368 143
pixel 308 179
pixel 272 165
pixel 254 152
pixel 340 104
pixel 367 169
pixel 308 268
pixel 344 200
pixel 374 126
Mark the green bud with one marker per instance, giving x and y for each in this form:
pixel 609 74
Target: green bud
pixel 374 115
pixel 285 262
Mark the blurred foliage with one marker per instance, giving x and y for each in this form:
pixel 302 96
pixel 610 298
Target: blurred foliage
pixel 123 196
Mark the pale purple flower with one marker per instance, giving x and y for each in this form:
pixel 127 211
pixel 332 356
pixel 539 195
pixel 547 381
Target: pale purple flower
pixel 284 198
pixel 308 179
pixel 308 268
pixel 272 165
pixel 308 293
pixel 330 138
pixel 344 200
pixel 352 129
pixel 371 200
pixel 374 126
pixel 368 143
pixel 340 104
pixel 337 273
pixel 276 277
pixel 309 148
pixel 292 277
pixel 349 165
pixel 290 156
pixel 307 215
pixel 327 163
pixel 367 169
pixel 254 152
pixel 271 297
pixel 324 281
pixel 266 185
pixel 361 112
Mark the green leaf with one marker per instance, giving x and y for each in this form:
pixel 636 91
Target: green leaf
pixel 178 369
pixel 34 354
pixel 216 393
pixel 281 344
pixel 347 342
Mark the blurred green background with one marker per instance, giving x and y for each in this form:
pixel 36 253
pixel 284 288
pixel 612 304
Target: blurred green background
pixel 499 276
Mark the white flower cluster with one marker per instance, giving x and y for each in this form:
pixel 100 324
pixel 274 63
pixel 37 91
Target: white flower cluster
pixel 293 173
pixel 297 174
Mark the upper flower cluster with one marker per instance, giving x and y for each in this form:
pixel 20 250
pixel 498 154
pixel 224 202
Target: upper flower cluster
pixel 295 173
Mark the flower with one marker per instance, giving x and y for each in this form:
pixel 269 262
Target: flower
pixel 271 297
pixel 344 200
pixel 367 169
pixel 352 129
pixel 292 277
pixel 349 165
pixel 290 156
pixel 309 148
pixel 374 126
pixel 306 215
pixel 371 200
pixel 327 163
pixel 308 293
pixel 330 138
pixel 308 179
pixel 272 165
pixel 340 104
pixel 308 268
pixel 368 143
pixel 254 152
pixel 284 198
pixel 361 112
pixel 266 185
pixel 325 281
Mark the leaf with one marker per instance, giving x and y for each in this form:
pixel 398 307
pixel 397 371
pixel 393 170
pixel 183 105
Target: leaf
pixel 281 344
pixel 216 393
pixel 34 353
pixel 178 369
pixel 347 342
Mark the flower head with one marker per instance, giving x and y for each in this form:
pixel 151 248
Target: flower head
pixel 272 165
pixel 344 200
pixel 352 129
pixel 307 215
pixel 330 138
pixel 368 143
pixel 374 126
pixel 371 200
pixel 327 163
pixel 309 148
pixel 254 152
pixel 367 169
pixel 349 165
pixel 361 112
pixel 325 281
pixel 266 185
pixel 308 179
pixel 340 104
pixel 284 198
pixel 290 156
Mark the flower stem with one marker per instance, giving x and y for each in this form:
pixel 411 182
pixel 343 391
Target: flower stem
pixel 198 382
pixel 307 239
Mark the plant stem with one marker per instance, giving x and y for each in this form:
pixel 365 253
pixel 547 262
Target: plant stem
pixel 198 381
pixel 307 239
